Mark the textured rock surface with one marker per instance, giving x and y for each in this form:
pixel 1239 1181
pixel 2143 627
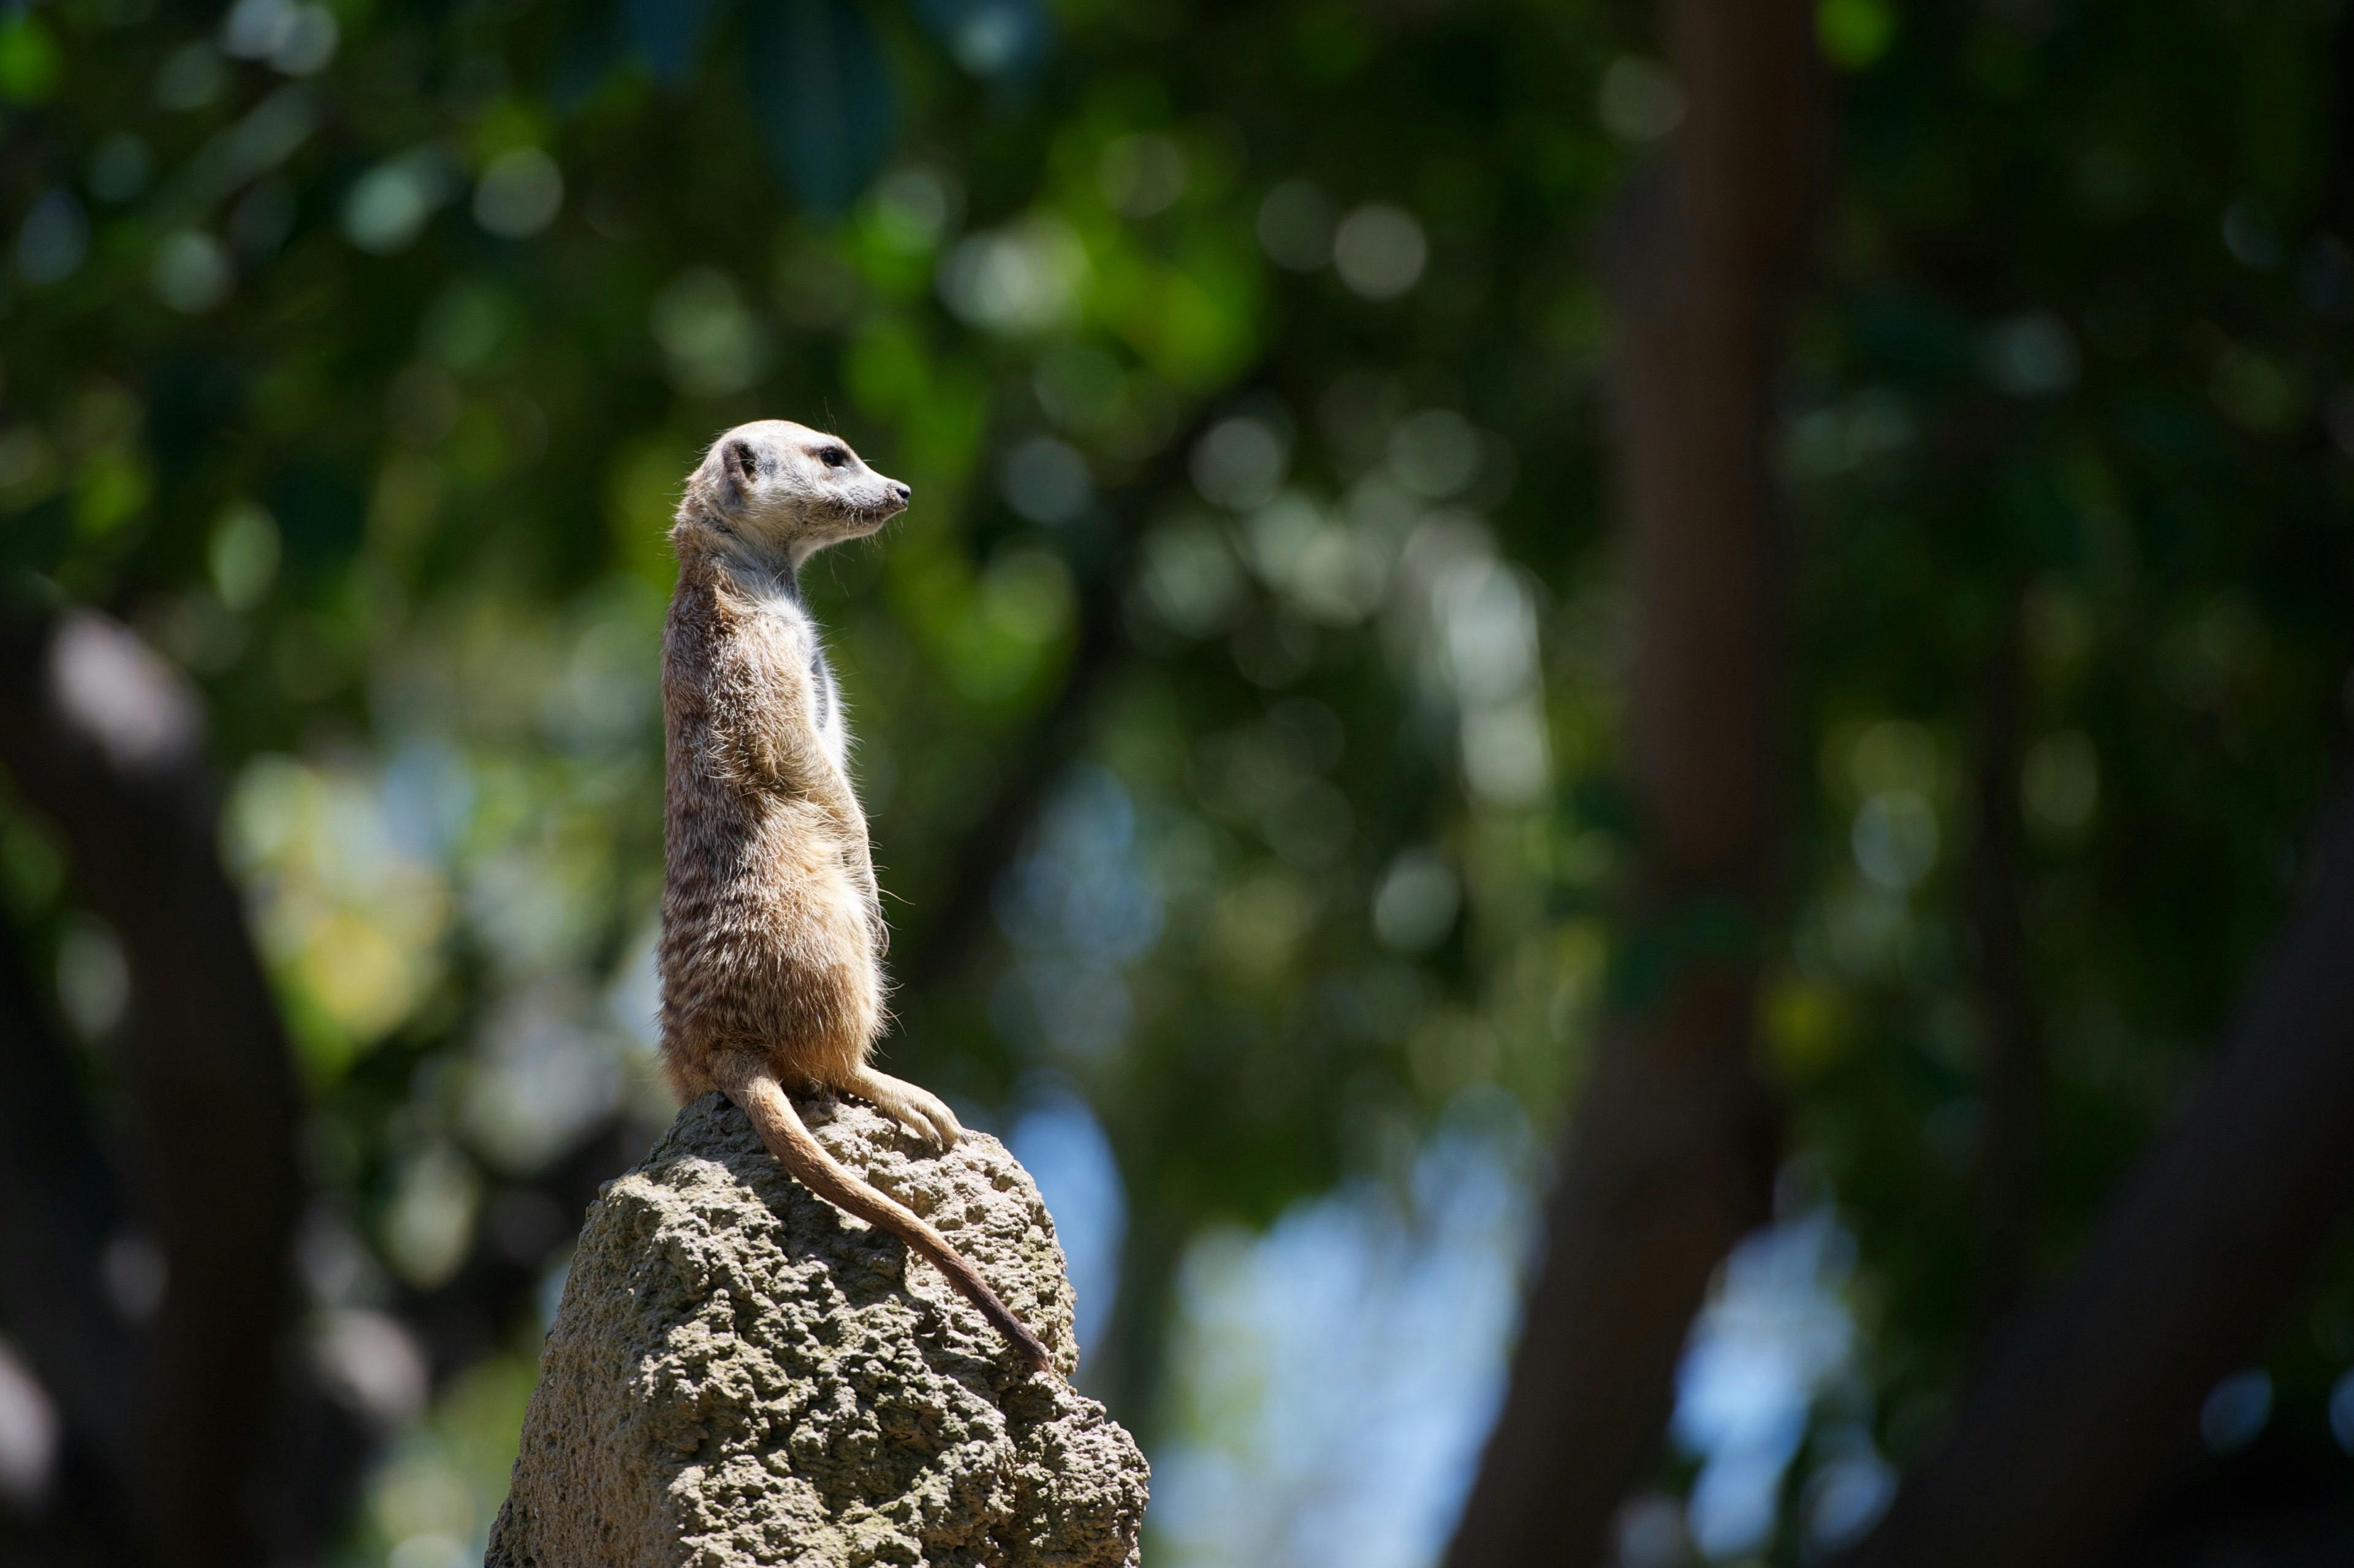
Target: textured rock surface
pixel 739 1373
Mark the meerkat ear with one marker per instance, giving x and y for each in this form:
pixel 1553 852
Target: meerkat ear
pixel 741 466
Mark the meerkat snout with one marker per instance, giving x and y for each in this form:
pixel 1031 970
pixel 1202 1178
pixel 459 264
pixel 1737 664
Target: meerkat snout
pixel 792 491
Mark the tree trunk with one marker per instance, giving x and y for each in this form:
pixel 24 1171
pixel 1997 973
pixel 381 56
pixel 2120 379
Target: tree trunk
pixel 2081 1414
pixel 106 740
pixel 1671 1153
pixel 57 1210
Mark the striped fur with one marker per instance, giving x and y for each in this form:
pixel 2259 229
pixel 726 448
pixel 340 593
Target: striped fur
pixel 772 939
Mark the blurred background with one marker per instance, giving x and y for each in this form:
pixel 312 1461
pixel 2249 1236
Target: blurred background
pixel 1299 402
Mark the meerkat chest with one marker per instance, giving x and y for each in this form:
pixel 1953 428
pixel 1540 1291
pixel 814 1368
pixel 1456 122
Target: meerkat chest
pixel 792 636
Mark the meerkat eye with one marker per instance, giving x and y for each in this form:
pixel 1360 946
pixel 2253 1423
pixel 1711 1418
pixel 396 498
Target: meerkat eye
pixel 834 456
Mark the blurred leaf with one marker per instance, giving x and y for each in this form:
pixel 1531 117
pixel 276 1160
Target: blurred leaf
pixel 29 59
pixel 824 94
pixel 1002 39
pixel 1854 33
pixel 668 35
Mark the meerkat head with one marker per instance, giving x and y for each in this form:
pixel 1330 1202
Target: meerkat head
pixel 785 492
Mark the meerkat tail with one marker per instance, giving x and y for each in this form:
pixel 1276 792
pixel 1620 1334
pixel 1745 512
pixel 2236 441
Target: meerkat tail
pixel 748 1080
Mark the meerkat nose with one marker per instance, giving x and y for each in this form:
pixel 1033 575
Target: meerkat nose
pixel 902 490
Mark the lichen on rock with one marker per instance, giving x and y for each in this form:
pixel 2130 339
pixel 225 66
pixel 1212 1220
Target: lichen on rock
pixel 739 1373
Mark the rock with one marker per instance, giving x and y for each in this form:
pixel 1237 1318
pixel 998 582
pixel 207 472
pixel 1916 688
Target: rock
pixel 739 1373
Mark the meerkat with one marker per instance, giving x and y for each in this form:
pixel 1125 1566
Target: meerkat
pixel 772 929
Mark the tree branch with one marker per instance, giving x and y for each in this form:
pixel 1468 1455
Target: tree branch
pixel 106 740
pixel 946 941
pixel 2080 1415
pixel 982 852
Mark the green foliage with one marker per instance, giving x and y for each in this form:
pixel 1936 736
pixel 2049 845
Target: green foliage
pixel 1854 33
pixel 1244 362
pixel 2076 382
pixel 360 376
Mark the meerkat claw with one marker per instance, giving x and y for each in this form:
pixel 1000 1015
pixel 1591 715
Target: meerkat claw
pixel 920 1111
pixel 931 1122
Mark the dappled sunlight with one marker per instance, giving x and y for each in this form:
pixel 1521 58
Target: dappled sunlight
pixel 1776 1340
pixel 352 914
pixel 1058 1140
pixel 1333 1377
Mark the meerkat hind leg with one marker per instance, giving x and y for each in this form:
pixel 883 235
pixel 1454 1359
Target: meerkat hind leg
pixel 922 1112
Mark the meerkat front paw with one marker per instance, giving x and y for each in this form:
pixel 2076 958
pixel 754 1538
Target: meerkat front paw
pixel 920 1111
